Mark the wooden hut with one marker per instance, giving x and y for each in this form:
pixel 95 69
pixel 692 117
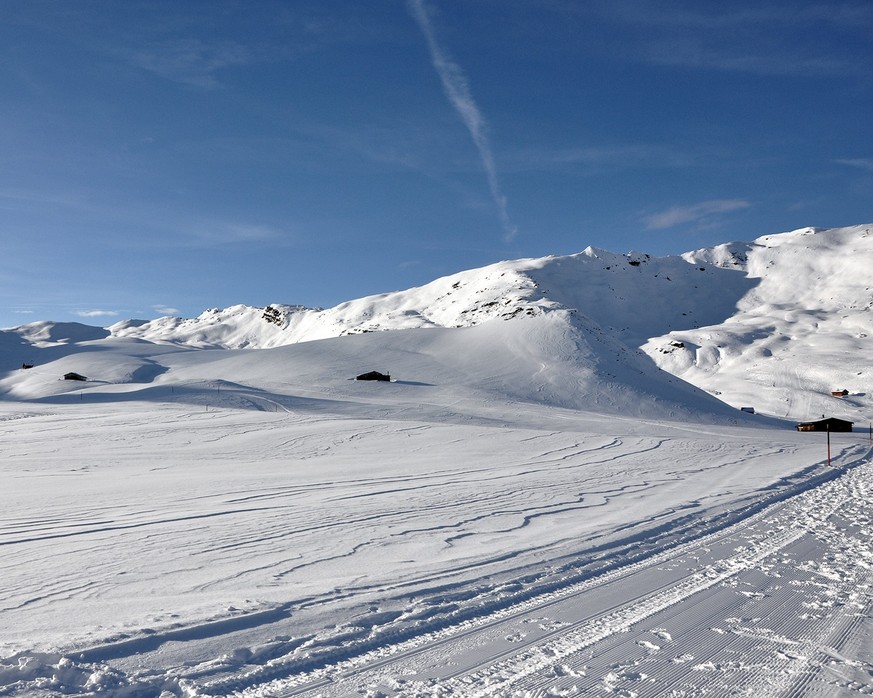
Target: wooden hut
pixel 828 424
pixel 373 376
pixel 74 377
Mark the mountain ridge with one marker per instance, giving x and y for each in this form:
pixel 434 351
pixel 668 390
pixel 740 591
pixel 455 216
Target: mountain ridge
pixel 620 283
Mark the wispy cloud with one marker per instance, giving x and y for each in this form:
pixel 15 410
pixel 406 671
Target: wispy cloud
pixel 457 89
pixel 14 198
pixel 601 158
pixel 695 213
pixel 768 38
pixel 165 310
pixel 692 52
pixel 96 313
pixel 228 233
pixel 861 163
pixel 190 61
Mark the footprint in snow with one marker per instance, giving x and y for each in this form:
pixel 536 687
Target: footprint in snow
pixel 556 691
pixel 564 670
pixel 610 682
pixel 662 634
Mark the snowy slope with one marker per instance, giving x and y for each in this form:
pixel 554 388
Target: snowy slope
pixel 802 331
pixel 552 359
pixel 461 300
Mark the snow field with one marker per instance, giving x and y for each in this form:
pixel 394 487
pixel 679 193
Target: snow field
pixel 153 534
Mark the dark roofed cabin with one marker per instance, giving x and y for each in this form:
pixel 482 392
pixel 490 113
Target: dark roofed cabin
pixel 74 377
pixel 829 424
pixel 373 376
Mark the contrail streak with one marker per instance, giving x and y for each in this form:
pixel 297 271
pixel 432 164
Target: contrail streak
pixel 457 90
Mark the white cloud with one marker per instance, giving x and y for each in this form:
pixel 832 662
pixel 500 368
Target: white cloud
pixel 457 90
pixel 96 313
pixel 165 310
pixel 705 210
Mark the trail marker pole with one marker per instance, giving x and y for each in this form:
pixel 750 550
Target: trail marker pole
pixel 829 446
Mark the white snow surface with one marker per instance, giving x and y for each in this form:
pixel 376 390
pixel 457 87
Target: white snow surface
pixel 530 507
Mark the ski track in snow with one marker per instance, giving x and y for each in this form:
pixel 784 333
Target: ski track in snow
pixel 734 586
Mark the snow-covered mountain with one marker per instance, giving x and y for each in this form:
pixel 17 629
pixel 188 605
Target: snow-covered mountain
pixel 777 324
pixel 633 296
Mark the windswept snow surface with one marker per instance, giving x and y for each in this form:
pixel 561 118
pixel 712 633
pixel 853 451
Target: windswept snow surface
pixel 529 508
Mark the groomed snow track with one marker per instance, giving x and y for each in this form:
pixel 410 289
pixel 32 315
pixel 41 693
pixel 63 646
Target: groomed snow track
pixel 765 606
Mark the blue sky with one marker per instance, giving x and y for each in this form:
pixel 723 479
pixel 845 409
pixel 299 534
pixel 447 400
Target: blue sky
pixel 164 158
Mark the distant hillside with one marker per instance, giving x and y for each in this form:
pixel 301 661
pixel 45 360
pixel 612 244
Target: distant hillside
pixel 803 329
pixel 776 324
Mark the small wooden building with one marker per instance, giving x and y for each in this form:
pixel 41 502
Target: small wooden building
pixel 840 393
pixel 828 424
pixel 74 377
pixel 373 376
